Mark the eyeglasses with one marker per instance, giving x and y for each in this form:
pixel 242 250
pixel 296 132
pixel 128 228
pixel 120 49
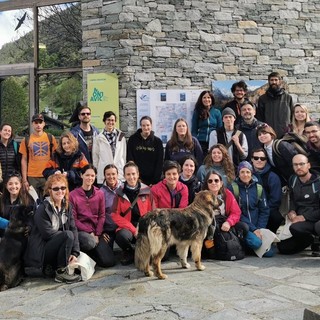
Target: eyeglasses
pixel 58 188
pixel 301 164
pixel 310 132
pixel 259 158
pixel 213 181
pixel 85 113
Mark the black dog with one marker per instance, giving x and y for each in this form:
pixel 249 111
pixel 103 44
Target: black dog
pixel 12 247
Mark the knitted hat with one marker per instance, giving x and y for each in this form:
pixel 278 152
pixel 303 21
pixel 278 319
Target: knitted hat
pixel 228 111
pixel 244 164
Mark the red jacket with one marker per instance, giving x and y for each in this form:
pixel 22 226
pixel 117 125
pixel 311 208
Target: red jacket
pixel 232 209
pixel 122 203
pixel 164 199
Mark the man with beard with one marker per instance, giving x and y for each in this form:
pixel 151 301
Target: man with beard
pixel 239 91
pixel 312 132
pixel 85 132
pixel 304 211
pixel 248 125
pixel 275 106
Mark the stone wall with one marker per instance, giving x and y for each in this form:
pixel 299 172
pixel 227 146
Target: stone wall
pixel 169 44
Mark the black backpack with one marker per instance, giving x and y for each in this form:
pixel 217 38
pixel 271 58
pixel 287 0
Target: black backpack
pixel 299 142
pixel 227 245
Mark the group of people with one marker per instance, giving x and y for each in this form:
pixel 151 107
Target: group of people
pixel 88 190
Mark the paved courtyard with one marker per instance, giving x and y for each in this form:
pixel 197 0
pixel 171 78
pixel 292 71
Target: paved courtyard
pixel 270 288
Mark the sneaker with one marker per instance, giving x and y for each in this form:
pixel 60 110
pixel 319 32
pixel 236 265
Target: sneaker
pixel 48 271
pixel 62 275
pixel 127 258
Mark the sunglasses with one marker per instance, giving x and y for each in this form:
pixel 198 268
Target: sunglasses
pixel 259 158
pixel 59 188
pixel 85 113
pixel 213 180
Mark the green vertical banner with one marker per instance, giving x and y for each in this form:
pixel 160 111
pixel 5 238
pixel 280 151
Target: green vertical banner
pixel 103 95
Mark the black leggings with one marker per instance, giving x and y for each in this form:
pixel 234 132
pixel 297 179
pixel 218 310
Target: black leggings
pixel 58 249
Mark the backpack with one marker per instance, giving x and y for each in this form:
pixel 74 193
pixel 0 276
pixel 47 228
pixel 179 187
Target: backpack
pixel 299 142
pixel 26 141
pixel 235 188
pixel 227 245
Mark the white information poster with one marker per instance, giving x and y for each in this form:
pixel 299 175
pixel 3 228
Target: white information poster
pixel 165 107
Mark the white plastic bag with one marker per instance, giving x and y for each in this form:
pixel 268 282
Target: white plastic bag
pixel 285 231
pixel 85 264
pixel 268 237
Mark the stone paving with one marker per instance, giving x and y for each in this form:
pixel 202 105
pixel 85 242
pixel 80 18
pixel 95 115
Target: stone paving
pixel 270 288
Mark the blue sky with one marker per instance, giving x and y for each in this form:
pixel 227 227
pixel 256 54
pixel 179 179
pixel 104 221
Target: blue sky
pixel 8 22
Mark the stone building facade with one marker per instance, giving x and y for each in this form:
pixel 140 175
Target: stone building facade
pixel 153 44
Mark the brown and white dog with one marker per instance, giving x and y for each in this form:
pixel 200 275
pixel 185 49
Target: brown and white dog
pixel 161 228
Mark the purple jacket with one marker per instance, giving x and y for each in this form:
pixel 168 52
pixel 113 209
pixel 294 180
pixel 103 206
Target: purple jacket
pixel 89 213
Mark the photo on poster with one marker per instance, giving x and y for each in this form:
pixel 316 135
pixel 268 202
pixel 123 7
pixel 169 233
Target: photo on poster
pixel 222 90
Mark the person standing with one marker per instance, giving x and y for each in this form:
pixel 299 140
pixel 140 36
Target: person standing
pixel 182 143
pixel 9 151
pixel 275 106
pixel 300 117
pixel 312 132
pixel 206 117
pixel 146 151
pixel 248 125
pixel 234 140
pixel 84 132
pixel 36 151
pixel 239 91
pixel 110 146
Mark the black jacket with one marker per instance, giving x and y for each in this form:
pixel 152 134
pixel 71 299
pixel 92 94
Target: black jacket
pixel 147 154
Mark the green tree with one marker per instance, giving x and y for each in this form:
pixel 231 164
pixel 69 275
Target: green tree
pixel 14 104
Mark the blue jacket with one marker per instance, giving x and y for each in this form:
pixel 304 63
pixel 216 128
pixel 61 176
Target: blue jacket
pixel 271 184
pixel 201 129
pixel 254 212
pixel 77 132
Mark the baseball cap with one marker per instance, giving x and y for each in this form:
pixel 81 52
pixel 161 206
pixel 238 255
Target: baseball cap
pixel 38 116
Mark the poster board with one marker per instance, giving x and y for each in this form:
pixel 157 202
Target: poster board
pixel 165 107
pixel 221 90
pixel 103 95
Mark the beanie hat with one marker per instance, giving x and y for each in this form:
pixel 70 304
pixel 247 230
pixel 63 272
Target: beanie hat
pixel 228 111
pixel 244 164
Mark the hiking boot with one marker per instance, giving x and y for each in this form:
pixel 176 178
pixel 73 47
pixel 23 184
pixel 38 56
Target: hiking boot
pixel 127 258
pixel 62 275
pixel 48 271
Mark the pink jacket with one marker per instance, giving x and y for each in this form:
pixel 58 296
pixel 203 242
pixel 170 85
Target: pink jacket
pixel 232 208
pixel 164 199
pixel 89 213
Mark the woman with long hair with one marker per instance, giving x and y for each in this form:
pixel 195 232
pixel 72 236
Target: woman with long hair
pixel 182 143
pixel 67 160
pixel 300 115
pixel 229 209
pixel 109 146
pixel 88 207
pixel 146 151
pixel 53 243
pixel 188 177
pixel 217 160
pixel 15 195
pixel 206 117
pixel 133 201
